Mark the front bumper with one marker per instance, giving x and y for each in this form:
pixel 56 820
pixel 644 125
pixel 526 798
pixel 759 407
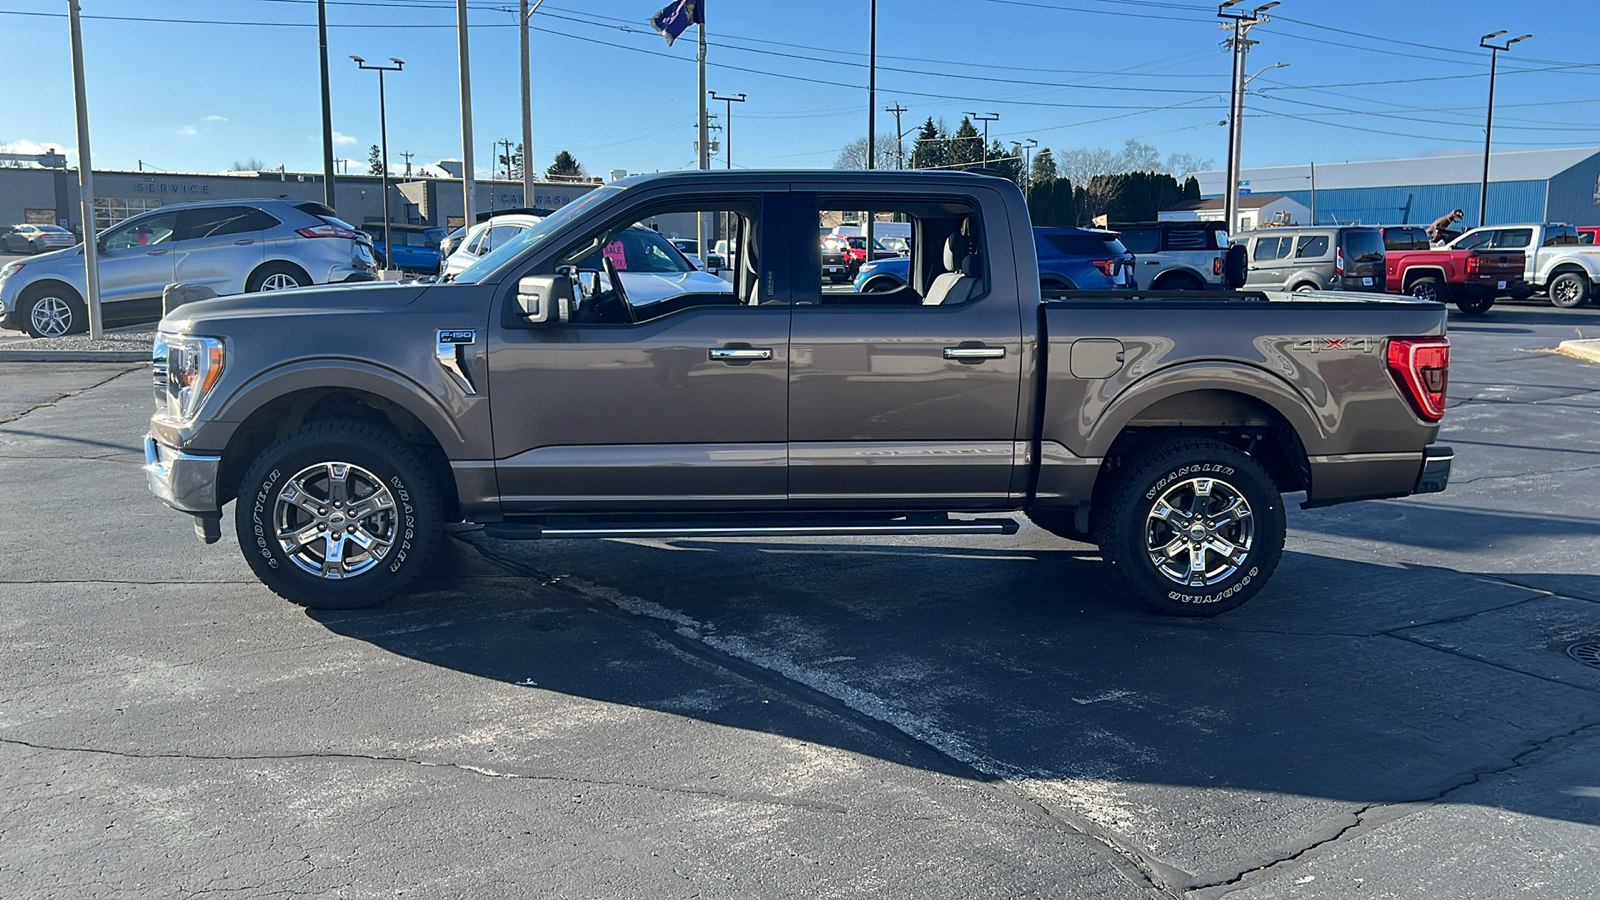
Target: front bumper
pixel 186 482
pixel 1435 474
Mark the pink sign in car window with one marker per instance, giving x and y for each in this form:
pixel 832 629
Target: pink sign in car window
pixel 614 252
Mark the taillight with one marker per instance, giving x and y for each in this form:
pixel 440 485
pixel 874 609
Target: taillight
pixel 1421 367
pixel 1338 260
pixel 1104 265
pixel 1474 265
pixel 1216 265
pixel 325 231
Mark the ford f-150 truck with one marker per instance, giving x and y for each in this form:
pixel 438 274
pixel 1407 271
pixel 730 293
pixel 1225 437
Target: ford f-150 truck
pixel 348 426
pixel 1471 279
pixel 1557 262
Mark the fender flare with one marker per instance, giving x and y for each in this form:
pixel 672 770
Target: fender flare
pixel 1248 381
pixel 422 401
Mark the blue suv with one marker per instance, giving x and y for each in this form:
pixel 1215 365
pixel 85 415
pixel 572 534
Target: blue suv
pixel 415 249
pixel 1069 259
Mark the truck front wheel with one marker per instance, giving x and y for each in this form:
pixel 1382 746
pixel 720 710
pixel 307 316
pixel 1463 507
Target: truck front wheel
pixel 338 515
pixel 1195 527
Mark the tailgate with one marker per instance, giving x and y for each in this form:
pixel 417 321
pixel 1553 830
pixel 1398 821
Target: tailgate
pixel 1498 263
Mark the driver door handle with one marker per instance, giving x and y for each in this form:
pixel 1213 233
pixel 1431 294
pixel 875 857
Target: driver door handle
pixel 740 354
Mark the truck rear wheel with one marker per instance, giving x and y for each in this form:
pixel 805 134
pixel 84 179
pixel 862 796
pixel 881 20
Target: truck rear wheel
pixel 1474 302
pixel 1568 290
pixel 338 515
pixel 1194 527
pixel 1430 289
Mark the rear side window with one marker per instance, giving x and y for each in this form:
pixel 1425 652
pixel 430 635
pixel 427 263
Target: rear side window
pixel 1188 239
pixel 1311 246
pixel 1362 244
pixel 1561 236
pixel 1586 237
pixel 1078 245
pixel 1512 238
pixel 215 221
pixel 1142 240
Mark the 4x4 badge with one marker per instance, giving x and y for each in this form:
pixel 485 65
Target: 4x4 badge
pixel 448 351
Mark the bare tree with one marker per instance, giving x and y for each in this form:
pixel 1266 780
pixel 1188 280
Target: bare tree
pixel 854 154
pixel 249 165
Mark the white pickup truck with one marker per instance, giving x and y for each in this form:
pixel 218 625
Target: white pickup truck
pixel 1558 263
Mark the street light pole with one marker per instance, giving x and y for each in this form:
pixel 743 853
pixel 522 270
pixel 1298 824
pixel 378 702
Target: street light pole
pixel 1488 125
pixel 727 127
pixel 468 187
pixel 1240 44
pixel 91 235
pixel 327 105
pixel 985 119
pixel 525 14
pixel 1027 164
pixel 383 134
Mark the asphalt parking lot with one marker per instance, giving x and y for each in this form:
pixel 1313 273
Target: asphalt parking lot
pixel 1396 716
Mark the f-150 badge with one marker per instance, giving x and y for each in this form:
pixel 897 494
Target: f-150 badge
pixel 448 351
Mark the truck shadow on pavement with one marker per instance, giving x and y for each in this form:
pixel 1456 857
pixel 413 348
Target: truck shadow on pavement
pixel 1347 681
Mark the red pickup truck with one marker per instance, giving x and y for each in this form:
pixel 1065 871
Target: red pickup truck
pixel 1471 279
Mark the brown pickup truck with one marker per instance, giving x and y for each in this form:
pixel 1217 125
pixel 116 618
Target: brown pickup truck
pixel 574 383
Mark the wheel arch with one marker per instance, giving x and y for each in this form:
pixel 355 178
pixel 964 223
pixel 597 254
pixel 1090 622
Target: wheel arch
pixel 1412 273
pixel 1174 273
pixel 286 263
pixel 279 402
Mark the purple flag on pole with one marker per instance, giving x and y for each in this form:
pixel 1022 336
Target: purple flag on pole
pixel 676 18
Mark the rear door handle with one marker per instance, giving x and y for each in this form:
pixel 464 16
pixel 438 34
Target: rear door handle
pixel 974 353
pixel 740 354
pixel 243 242
pixel 156 253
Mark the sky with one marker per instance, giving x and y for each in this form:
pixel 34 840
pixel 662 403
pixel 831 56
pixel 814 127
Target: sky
pixel 195 85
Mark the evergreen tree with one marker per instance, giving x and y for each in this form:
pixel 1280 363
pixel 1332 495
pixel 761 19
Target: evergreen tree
pixel 375 161
pixel 1007 162
pixel 1044 166
pixel 966 145
pixel 565 166
pixel 931 150
pixel 1191 188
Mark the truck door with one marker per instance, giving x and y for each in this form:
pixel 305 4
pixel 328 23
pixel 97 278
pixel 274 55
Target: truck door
pixel 669 394
pixel 908 399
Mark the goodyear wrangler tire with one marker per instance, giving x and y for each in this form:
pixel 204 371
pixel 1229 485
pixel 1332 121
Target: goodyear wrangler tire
pixel 1194 527
pixel 338 515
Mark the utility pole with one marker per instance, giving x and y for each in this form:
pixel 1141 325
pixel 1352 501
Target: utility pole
pixel 407 154
pixel 467 186
pixel 985 119
pixel 91 235
pixel 1488 125
pixel 327 105
pixel 1240 44
pixel 524 15
pixel 899 135
pixel 704 155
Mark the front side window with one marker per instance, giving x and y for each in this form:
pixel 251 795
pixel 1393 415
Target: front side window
pixel 1269 248
pixel 145 232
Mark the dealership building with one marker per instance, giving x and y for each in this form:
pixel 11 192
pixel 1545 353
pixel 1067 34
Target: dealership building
pixel 1524 186
pixel 40 195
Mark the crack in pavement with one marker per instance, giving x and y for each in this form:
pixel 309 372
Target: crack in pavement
pixel 1525 474
pixel 45 404
pixel 749 797
pixel 1375 815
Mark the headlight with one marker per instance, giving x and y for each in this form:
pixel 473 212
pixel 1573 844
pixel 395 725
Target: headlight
pixel 192 367
pixel 10 270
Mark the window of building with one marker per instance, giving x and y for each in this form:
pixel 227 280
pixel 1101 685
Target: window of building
pixel 109 211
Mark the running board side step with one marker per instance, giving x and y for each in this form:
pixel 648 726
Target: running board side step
pixel 517 531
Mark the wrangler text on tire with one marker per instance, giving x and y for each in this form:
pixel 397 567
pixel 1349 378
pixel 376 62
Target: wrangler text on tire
pixel 1195 527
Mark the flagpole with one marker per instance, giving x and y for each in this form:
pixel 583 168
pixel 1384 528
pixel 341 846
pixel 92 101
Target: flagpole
pixel 705 146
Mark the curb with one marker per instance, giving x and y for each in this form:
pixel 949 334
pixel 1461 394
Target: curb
pixel 1588 349
pixel 75 356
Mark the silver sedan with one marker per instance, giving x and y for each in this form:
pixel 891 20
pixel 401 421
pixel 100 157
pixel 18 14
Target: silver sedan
pixel 36 238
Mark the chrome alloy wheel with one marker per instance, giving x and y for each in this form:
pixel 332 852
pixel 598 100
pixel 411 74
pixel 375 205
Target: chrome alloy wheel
pixel 1199 532
pixel 279 281
pixel 335 520
pixel 1565 293
pixel 51 316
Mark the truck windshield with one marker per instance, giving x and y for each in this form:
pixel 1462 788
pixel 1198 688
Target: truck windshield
pixel 534 235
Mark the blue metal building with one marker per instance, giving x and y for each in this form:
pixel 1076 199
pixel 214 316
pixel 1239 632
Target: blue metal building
pixel 1524 186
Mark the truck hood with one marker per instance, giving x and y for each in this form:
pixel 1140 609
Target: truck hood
pixel 340 299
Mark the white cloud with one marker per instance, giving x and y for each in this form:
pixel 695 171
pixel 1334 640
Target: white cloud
pixel 188 131
pixel 32 147
pixel 342 138
pixel 214 119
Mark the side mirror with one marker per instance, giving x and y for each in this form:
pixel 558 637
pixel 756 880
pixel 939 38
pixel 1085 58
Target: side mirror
pixel 100 244
pixel 544 299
